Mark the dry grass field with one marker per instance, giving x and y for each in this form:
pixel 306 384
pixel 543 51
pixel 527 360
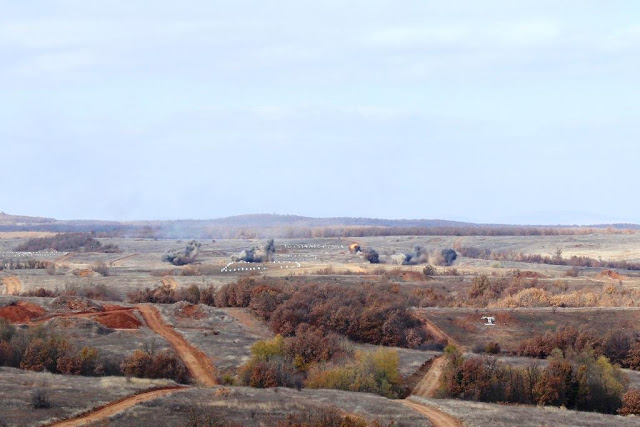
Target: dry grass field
pixel 225 335
pixel 513 325
pixel 68 395
pixel 477 414
pixel 241 406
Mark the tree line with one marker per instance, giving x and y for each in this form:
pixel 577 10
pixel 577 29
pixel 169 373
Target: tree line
pixel 581 381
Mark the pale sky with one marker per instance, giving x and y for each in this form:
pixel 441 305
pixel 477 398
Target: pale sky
pixel 486 111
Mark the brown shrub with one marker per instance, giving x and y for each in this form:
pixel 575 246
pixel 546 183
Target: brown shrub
pixel 164 364
pixel 631 402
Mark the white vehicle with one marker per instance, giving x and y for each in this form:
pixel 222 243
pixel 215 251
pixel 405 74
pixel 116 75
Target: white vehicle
pixel 490 320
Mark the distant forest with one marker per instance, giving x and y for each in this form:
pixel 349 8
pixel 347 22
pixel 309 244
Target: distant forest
pixel 290 226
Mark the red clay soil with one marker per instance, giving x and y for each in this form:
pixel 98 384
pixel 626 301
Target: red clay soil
pixel 530 275
pixel 191 311
pixel 119 320
pixel 77 303
pixel 609 274
pixel 21 312
pixel 199 365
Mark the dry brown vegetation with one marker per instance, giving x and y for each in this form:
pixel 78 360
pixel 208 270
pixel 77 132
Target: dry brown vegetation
pixel 374 315
pixel 163 364
pixel 67 242
pixel 581 381
pixel 326 309
pixel 40 349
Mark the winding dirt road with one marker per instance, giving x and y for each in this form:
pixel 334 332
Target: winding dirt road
pixel 113 408
pixel 429 384
pixel 439 333
pixel 436 416
pixel 198 364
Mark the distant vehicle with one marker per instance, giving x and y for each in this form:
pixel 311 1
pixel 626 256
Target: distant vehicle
pixel 490 320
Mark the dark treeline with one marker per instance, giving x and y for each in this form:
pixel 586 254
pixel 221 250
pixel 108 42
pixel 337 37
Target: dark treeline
pixel 67 242
pixel 557 259
pixel 177 230
pixel 369 314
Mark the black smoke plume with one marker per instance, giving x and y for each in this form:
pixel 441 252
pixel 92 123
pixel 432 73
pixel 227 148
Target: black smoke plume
pixel 418 256
pixel 372 256
pixel 258 254
pixel 187 256
pixel 449 256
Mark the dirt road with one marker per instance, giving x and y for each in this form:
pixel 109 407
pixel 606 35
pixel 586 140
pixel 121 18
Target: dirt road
pixel 12 285
pixel 198 364
pixel 117 262
pixel 429 384
pixel 439 333
pixel 250 322
pixel 113 408
pixel 436 416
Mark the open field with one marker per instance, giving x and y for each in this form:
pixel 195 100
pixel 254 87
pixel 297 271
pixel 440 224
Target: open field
pixel 476 414
pixel 246 406
pixel 215 342
pixel 69 395
pixel 223 338
pixel 513 325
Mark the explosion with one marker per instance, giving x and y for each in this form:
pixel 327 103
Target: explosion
pixel 257 254
pixel 449 256
pixel 419 255
pixel 372 256
pixel 187 256
pixel 354 248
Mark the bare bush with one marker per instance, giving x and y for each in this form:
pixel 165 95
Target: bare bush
pixel 101 268
pixel 40 399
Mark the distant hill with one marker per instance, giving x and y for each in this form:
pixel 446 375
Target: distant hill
pixel 16 220
pixel 275 220
pixel 274 225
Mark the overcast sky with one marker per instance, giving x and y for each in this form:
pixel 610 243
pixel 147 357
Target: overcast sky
pixel 488 111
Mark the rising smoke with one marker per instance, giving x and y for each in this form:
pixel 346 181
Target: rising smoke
pixel 257 254
pixel 187 256
pixel 372 256
pixel 419 255
pixel 449 256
